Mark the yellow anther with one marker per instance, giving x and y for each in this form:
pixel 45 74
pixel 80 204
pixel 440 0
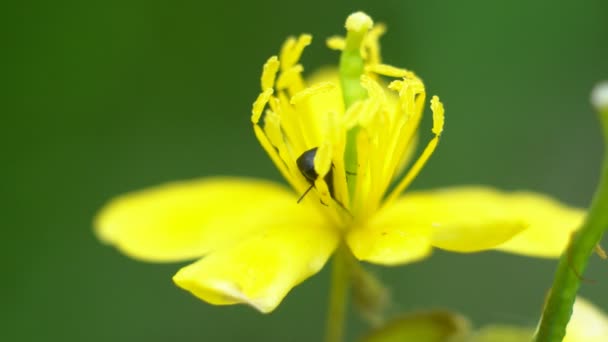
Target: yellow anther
pixel 396 85
pixel 371 44
pixel 389 70
pixel 336 43
pixel 259 104
pixel 292 50
pixel 438 115
pixel 288 77
pixel 270 72
pixel 286 49
pixel 319 88
pixel 376 32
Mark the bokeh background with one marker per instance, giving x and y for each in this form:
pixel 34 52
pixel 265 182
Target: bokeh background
pixel 104 97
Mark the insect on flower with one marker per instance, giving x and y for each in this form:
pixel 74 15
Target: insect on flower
pixel 306 165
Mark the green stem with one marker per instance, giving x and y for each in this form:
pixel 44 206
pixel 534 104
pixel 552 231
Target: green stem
pixel 338 295
pixel 573 262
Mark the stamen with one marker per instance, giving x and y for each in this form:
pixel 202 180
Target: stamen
pixel 335 134
pixel 396 85
pixel 322 87
pixel 370 110
pixel 416 168
pixel 259 104
pixel 269 73
pixel 274 133
pixel 375 102
pixel 274 155
pixel 407 116
pixel 371 44
pixel 438 119
pixel 290 76
pixel 438 115
pixel 405 137
pixel 374 90
pixel 362 180
pixel 351 117
pixel 336 43
pixel 292 50
pixel 389 70
pixel 289 123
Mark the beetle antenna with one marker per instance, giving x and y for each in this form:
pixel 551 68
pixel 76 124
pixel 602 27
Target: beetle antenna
pixel 305 192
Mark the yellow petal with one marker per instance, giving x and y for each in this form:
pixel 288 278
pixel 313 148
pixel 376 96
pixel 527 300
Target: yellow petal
pixel 549 225
pixel 389 238
pixel 460 219
pixel 261 270
pixel 185 220
pixel 468 219
pixel 588 323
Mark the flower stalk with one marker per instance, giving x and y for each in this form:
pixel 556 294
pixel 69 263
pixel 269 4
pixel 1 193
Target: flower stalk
pixel 338 295
pixel 573 262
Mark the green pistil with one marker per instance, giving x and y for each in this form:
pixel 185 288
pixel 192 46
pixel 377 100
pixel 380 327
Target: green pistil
pixel 352 67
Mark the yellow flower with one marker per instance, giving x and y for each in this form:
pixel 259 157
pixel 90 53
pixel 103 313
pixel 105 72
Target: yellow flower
pixel 255 241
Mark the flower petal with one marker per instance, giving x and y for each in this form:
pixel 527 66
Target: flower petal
pixel 469 219
pixel 185 220
pixel 549 223
pixel 461 219
pixel 588 323
pixel 261 270
pixel 389 238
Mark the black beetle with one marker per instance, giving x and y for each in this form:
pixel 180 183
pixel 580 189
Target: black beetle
pixel 306 165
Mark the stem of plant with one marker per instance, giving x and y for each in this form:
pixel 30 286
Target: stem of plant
pixel 338 295
pixel 573 262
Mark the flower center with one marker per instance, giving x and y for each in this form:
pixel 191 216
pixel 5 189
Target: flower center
pixel 342 139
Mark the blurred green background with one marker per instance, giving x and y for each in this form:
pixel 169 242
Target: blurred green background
pixel 104 97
